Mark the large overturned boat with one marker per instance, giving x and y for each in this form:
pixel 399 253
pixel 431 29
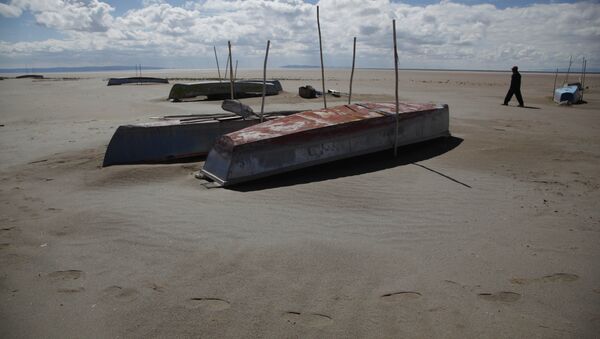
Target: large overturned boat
pixel 314 137
pixel 173 138
pixel 136 80
pixel 214 90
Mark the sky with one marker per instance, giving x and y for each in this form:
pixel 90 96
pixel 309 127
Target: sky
pixel 446 34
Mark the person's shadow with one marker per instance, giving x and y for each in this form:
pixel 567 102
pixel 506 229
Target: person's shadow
pixel 356 165
pixel 530 107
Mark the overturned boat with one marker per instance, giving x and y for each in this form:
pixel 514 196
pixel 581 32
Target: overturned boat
pixel 214 90
pixel 314 137
pixel 30 76
pixel 172 138
pixel 568 94
pixel 136 80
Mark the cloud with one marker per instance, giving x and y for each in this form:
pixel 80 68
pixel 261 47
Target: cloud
pixel 10 11
pixel 69 15
pixel 445 34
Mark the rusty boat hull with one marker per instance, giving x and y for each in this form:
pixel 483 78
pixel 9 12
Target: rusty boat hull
pixel 315 137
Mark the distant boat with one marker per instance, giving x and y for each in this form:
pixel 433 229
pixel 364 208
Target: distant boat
pixel 30 76
pixel 214 90
pixel 568 94
pixel 174 137
pixel 135 80
pixel 314 137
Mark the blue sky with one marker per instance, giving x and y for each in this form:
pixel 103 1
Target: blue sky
pixel 181 33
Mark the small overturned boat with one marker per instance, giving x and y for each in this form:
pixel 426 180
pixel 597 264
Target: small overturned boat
pixel 568 94
pixel 136 80
pixel 315 137
pixel 30 76
pixel 214 90
pixel 175 137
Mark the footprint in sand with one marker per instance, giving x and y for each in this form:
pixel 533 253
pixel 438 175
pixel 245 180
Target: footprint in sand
pixel 66 275
pixel 556 277
pixel 121 293
pixel 307 319
pixel 500 296
pixel 209 303
pixel 400 296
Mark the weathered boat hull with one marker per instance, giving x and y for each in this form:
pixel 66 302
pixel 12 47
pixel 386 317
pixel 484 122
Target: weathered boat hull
pixel 315 137
pixel 173 138
pixel 30 76
pixel 222 90
pixel 135 80
pixel 570 94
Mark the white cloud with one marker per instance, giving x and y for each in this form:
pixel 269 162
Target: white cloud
pixel 446 34
pixel 10 11
pixel 69 15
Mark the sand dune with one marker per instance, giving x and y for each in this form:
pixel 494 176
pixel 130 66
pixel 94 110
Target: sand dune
pixel 492 232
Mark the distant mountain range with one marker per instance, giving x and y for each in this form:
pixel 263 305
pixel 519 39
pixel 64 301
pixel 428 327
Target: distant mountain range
pixel 74 69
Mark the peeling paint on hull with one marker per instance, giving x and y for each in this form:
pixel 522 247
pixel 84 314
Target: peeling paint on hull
pixel 315 137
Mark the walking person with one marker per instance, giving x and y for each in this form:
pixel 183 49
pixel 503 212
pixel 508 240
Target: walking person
pixel 515 87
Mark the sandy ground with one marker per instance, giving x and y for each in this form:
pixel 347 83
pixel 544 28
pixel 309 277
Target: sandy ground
pixel 493 232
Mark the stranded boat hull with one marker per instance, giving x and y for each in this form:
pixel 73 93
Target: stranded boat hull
pixel 173 138
pixel 136 80
pixel 570 94
pixel 222 90
pixel 315 137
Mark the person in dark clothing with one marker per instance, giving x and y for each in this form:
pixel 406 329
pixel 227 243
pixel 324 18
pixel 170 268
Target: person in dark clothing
pixel 515 88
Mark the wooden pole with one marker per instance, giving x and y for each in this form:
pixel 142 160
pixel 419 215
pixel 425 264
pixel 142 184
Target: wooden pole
pixel 581 75
pixel 217 59
pixel 264 92
pixel 226 67
pixel 554 88
pixel 569 70
pixel 235 73
pixel 231 71
pixel 584 73
pixel 583 80
pixel 321 53
pixel 397 101
pixel 352 73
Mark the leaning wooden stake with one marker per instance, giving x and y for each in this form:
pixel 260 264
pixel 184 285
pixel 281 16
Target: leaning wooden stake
pixel 262 104
pixel 217 59
pixel 583 80
pixel 321 52
pixel 226 67
pixel 569 70
pixel 584 73
pixel 581 75
pixel 230 71
pixel 352 73
pixel 554 88
pixel 397 101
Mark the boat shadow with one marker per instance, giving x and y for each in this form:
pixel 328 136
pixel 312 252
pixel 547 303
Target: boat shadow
pixel 354 166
